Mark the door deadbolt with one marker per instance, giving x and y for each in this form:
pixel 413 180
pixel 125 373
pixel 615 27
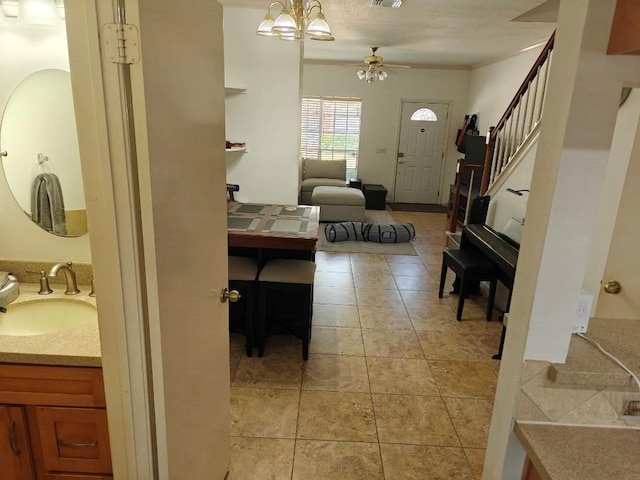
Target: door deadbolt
pixel 613 287
pixel 231 295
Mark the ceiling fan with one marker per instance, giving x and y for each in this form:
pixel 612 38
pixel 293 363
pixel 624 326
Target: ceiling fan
pixel 374 67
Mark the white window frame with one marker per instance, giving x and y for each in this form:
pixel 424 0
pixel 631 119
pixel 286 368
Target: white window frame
pixel 331 119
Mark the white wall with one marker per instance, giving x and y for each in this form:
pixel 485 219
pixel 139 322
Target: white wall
pixel 381 103
pixel 492 87
pixel 26 50
pixel 267 116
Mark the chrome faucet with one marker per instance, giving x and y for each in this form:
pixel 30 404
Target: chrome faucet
pixel 69 276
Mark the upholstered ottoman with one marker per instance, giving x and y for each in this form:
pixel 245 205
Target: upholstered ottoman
pixel 339 204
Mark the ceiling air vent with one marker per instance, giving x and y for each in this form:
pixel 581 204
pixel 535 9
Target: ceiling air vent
pixel 386 3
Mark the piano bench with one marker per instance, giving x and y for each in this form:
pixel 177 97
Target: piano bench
pixel 470 267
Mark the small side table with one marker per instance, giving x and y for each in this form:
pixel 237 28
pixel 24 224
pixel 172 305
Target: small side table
pixel 375 196
pixel 355 183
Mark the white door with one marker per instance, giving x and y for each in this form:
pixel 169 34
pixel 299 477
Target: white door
pixel 623 261
pixel 420 152
pixel 152 145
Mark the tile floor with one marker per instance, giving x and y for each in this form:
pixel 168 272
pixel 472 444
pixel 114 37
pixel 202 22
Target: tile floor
pixel 395 388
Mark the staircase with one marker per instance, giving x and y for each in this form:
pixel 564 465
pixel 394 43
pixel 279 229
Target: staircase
pixel 515 130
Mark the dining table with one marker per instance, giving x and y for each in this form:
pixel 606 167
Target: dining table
pixel 289 231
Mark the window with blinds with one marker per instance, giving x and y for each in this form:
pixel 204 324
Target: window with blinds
pixel 331 130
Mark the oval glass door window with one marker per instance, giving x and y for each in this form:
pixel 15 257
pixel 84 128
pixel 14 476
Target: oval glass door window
pixel 424 115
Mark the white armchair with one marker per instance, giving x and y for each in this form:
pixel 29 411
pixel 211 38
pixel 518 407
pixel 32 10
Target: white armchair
pixel 317 173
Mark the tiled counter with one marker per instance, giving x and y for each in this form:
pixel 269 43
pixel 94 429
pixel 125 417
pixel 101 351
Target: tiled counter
pixel 581 453
pixel 75 347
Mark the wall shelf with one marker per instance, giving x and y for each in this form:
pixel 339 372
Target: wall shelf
pixel 236 149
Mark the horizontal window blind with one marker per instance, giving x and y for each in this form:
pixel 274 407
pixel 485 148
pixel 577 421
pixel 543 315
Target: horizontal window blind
pixel 330 130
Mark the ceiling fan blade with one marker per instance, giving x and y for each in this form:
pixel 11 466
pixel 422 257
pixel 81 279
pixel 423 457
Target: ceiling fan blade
pixel 392 65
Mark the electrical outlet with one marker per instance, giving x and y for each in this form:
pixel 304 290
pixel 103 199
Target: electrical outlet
pixel 583 311
pixel 630 408
pixel 381 150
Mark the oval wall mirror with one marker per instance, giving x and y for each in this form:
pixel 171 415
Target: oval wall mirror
pixel 42 161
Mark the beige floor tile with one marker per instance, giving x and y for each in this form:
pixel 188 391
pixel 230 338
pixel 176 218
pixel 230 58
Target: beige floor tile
pixel 476 460
pixel 382 281
pixel 264 412
pixel 401 375
pixel 444 320
pixel 336 341
pixel 410 419
pixel 409 269
pixel 334 296
pixel 464 379
pixel 385 318
pixel 391 343
pixel 403 259
pixel 333 265
pixel 471 418
pixel 378 297
pixel 261 458
pixel 368 258
pixel 270 372
pixel 333 279
pixel 452 346
pixel 325 257
pixel 338 373
pixel 318 460
pixel 414 462
pixel 420 284
pixel 425 300
pixel 336 416
pixel 336 316
pixel 555 402
pixel 374 268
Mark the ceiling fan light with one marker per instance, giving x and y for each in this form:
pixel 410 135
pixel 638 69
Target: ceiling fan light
pixel 288 36
pixel 319 26
pixel 38 12
pixel 382 74
pixel 266 27
pixel 361 74
pixel 285 23
pixel 325 38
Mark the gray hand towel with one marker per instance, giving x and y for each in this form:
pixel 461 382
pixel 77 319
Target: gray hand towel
pixel 47 204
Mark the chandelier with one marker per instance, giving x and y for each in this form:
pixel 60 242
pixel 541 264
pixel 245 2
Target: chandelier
pixel 296 19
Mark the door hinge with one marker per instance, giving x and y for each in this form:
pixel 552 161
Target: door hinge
pixel 121 43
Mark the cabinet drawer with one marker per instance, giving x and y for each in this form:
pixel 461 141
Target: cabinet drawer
pixel 74 439
pixel 49 385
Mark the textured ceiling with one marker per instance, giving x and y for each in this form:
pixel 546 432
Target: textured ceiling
pixel 459 33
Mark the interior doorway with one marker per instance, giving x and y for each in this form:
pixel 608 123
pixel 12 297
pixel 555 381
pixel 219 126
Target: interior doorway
pixel 420 152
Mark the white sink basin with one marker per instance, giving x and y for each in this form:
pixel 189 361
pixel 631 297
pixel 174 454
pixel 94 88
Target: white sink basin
pixel 45 316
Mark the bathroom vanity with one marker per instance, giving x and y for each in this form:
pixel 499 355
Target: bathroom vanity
pixel 53 418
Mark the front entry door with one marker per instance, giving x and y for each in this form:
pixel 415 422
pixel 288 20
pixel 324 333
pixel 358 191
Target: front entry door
pixel 420 152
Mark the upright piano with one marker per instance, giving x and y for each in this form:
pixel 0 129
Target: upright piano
pixel 499 249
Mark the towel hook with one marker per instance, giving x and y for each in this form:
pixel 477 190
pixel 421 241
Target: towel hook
pixel 41 158
pixel 4 153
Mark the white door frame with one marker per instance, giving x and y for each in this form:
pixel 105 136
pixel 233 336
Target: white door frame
pixel 128 289
pixel 449 104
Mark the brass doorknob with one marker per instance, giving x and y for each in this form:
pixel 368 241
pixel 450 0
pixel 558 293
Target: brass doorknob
pixel 231 295
pixel 613 287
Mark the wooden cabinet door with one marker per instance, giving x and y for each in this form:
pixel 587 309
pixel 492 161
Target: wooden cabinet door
pixel 15 451
pixel 74 439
